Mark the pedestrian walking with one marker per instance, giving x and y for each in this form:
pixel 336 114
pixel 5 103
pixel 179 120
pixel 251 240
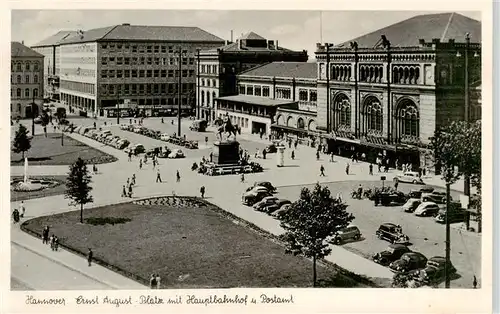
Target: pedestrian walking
pixel 242 178
pixel 145 159
pixel 22 209
pixel 178 176
pixel 212 155
pixel 140 164
pixel 130 191
pixel 264 154
pixel 317 155
pixel 133 179
pixel 396 183
pixel 162 121
pixel 332 157
pixel 293 155
pixel 56 243
pixel 45 235
pixel 15 215
pixel 158 176
pixel 129 156
pixel 202 191
pixel 153 284
pixel 289 143
pixel 52 242
pixel 124 191
pixel 154 164
pixel 370 168
pixel 322 171
pixel 347 168
pixel 90 256
pixel 379 164
pixel 158 280
pixel 295 144
pixel 128 182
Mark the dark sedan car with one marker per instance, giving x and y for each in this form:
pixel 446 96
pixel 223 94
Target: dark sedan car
pixel 270 149
pixel 268 185
pixel 276 205
pixel 391 254
pixel 409 261
pixel 434 271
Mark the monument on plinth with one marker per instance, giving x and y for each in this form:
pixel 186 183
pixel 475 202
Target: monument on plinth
pixel 226 151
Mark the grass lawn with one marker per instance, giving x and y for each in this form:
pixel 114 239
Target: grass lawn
pixel 189 247
pixel 58 188
pixel 48 151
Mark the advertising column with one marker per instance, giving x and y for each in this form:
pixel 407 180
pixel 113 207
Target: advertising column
pixel 280 156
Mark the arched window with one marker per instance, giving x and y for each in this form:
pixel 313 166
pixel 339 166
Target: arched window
pixel 19 107
pixel 35 92
pixel 27 66
pixel 27 92
pixel 372 115
pixel 27 81
pixel 213 98
pixel 208 98
pixel 19 79
pixel 202 97
pixel 280 120
pixel 300 123
pixel 312 125
pixel 35 66
pixel 342 107
pixel 408 123
pixel 35 78
pixel 18 92
pixel 290 122
pixel 18 67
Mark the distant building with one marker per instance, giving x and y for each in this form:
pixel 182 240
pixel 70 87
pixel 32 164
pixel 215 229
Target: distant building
pixel 278 98
pixel 130 64
pixel 385 93
pixel 26 78
pixel 51 50
pixel 218 68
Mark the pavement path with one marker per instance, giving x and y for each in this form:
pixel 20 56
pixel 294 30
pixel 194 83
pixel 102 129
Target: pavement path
pixel 224 191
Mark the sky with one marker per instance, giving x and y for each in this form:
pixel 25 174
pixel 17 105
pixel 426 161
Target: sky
pixel 296 30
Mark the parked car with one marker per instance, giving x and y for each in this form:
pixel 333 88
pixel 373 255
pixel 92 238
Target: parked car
pixel 455 215
pixel 435 196
pixel 268 185
pixel 198 125
pixel 392 233
pixel 164 137
pixel 411 205
pixel 277 213
pixel 276 205
pixel 135 149
pixel 122 144
pixel 427 209
pixel 256 188
pixel 434 271
pixel 408 262
pixel 271 148
pixel 350 232
pixel 124 126
pixel 268 200
pixel 391 254
pixel 409 177
pixel 252 197
pixel 176 153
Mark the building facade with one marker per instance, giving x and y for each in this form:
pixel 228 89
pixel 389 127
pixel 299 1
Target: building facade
pixel 385 93
pixel 218 68
pixel 50 49
pixel 146 66
pixel 26 78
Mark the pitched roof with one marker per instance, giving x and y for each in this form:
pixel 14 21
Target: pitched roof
pixel 444 26
pixel 256 100
pixel 55 39
pixel 19 50
pixel 141 32
pixel 235 47
pixel 252 36
pixel 306 70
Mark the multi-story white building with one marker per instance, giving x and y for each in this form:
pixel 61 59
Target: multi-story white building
pixel 50 48
pixel 26 78
pixel 142 65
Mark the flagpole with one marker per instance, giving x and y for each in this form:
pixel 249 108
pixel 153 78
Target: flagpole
pixel 321 26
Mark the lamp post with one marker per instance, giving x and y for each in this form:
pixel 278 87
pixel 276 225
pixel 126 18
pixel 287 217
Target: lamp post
pixel 198 84
pixel 33 105
pixel 328 122
pixel 179 92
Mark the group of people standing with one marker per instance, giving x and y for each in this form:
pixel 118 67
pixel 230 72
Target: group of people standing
pixel 128 188
pixel 53 240
pixel 17 214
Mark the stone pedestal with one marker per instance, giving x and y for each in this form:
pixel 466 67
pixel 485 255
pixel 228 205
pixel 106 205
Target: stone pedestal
pixel 226 152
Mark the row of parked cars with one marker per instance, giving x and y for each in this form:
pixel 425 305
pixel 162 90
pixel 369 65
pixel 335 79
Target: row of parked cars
pixel 261 196
pixel 158 135
pixel 433 204
pixel 400 259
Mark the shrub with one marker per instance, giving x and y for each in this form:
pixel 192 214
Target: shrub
pixel 99 221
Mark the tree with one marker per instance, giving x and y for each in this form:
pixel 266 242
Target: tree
pixel 78 185
pixel 312 219
pixel 22 142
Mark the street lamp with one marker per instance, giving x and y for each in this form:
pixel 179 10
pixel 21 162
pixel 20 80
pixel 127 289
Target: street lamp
pixel 328 122
pixel 33 106
pixel 179 92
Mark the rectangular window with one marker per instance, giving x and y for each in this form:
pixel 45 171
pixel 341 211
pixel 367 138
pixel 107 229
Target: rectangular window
pixel 119 61
pixel 157 49
pixel 135 61
pixel 112 60
pixel 104 74
pixel 112 47
pixel 149 49
pixel 119 46
pixel 111 73
pixel 141 89
pixel 303 95
pixel 104 46
pixel 141 73
pixel 242 89
pixel 148 88
pixel 156 89
pixel 127 73
pixel 257 91
pixel 142 61
pixel 249 90
pixel 141 49
pixel 163 88
pixel 184 73
pixel 265 91
pixel 171 61
pixel 126 47
pixel 127 89
pixel 283 93
pixel 149 73
pixel 163 49
pixel 191 61
pixel 163 61
pixel 150 60
pixel 104 61
pixel 191 73
pixel 156 73
pixel 170 49
pixel 203 69
pixel 163 73
pixel 134 89
pixel 170 88
pixel 184 61
pixel 119 74
pixel 134 73
pixel 157 61
pixel 313 96
pixel 170 73
pixel 127 61
pixel 134 48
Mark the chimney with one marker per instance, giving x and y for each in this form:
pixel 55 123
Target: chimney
pixel 276 45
